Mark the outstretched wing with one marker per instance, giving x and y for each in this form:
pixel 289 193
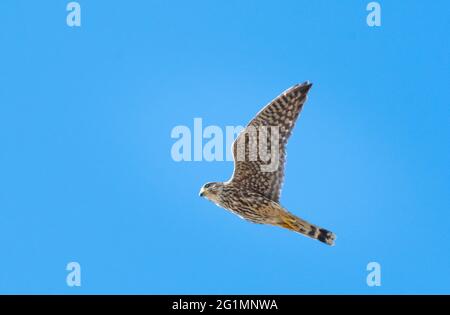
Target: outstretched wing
pixel 281 113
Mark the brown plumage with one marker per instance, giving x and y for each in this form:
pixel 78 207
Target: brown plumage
pixel 259 152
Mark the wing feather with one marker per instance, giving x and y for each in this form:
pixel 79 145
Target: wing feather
pixel 281 113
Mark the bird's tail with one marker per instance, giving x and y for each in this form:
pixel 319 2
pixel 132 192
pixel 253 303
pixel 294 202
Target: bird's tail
pixel 293 223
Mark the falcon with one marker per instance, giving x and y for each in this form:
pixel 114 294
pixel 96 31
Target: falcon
pixel 259 153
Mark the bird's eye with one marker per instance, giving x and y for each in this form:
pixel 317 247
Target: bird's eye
pixel 208 185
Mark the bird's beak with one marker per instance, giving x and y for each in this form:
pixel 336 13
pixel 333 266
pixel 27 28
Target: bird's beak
pixel 202 192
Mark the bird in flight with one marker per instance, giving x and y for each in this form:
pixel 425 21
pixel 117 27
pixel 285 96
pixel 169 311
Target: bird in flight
pixel 259 154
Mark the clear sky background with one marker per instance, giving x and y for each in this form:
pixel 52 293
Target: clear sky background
pixel 86 173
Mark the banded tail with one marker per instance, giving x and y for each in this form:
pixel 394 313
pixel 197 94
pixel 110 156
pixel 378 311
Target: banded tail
pixel 293 223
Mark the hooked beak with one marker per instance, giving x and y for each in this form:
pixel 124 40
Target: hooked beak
pixel 202 192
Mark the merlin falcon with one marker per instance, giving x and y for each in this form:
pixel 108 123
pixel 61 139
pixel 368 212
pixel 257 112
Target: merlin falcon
pixel 253 191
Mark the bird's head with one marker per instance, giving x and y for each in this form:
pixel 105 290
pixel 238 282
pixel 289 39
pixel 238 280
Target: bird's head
pixel 211 191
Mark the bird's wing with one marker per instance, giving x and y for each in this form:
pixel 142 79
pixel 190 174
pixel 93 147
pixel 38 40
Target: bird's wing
pixel 249 171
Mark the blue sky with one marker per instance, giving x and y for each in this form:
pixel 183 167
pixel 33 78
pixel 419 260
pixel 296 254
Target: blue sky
pixel 86 173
